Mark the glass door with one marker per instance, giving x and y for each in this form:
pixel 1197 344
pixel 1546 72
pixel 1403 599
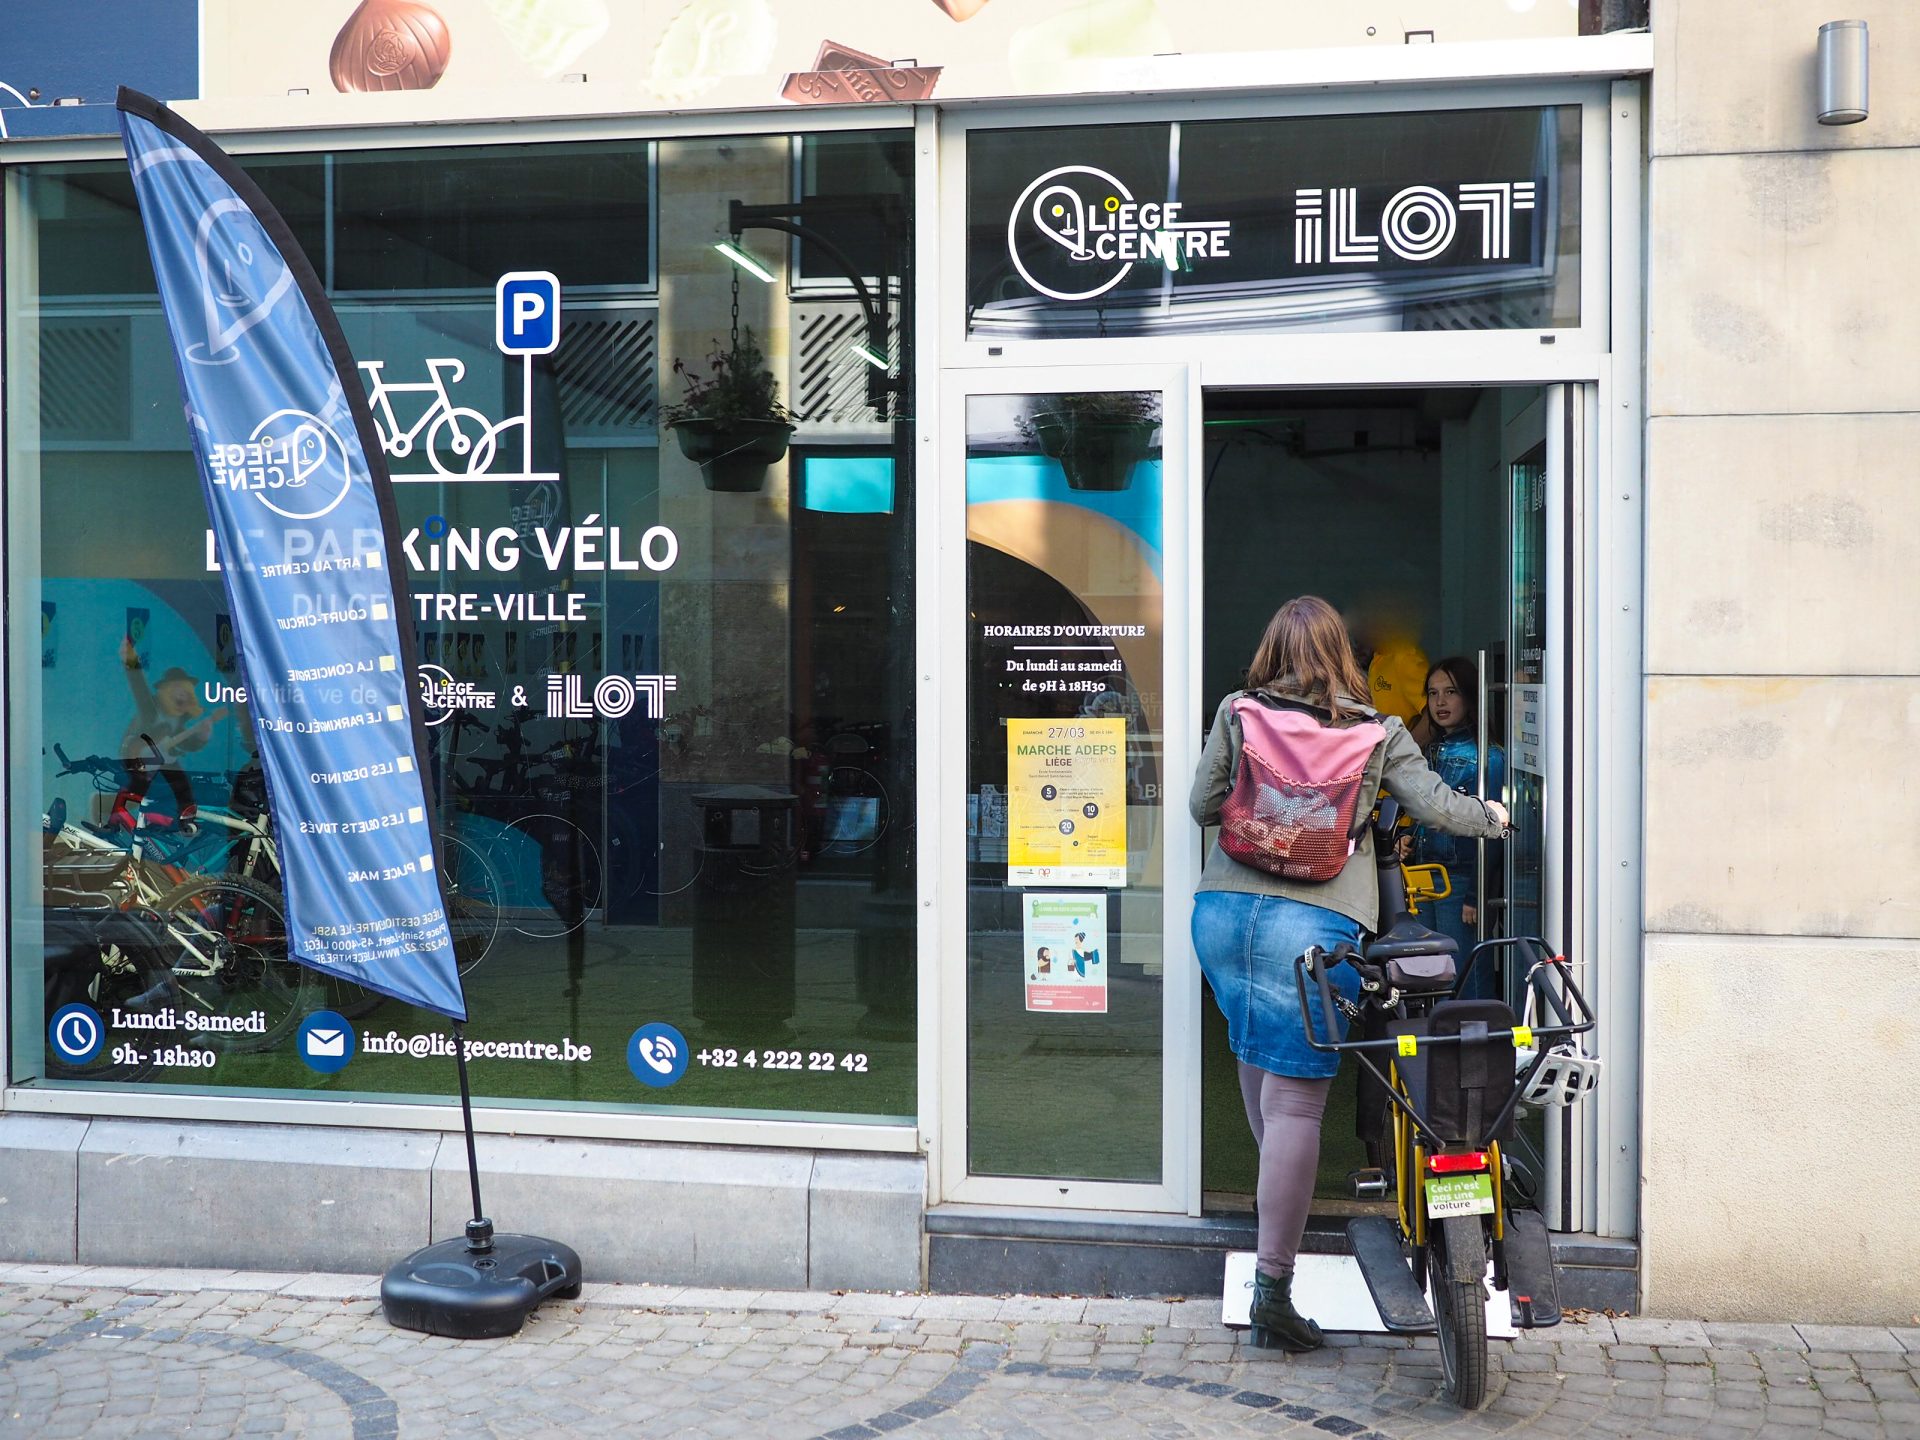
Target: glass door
pixel 1065 492
pixel 1420 513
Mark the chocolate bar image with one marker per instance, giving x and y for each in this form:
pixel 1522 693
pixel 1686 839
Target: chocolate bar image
pixel 842 75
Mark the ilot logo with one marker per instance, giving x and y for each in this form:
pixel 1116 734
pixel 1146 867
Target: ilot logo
pixel 1076 232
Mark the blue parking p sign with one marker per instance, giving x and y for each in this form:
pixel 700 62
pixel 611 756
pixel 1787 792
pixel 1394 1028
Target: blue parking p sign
pixel 527 313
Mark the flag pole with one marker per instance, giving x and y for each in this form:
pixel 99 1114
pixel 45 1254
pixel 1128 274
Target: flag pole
pixel 480 1228
pixel 278 352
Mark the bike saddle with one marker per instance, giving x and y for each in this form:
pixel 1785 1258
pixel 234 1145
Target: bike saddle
pixel 1414 957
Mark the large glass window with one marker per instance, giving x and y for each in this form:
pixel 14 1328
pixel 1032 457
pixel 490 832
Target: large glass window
pixel 1443 220
pixel 1065 779
pixel 670 738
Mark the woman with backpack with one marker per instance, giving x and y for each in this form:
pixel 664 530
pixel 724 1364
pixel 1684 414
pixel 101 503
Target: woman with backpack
pixel 1293 868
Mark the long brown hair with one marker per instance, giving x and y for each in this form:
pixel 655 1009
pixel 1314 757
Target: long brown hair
pixel 1307 643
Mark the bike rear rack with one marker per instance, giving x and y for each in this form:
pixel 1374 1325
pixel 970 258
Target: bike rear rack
pixel 1410 1045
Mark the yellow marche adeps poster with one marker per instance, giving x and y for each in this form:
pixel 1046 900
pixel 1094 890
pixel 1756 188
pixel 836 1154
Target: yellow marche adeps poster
pixel 1067 802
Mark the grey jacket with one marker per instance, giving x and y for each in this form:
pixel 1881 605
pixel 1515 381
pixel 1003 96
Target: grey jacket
pixel 1397 767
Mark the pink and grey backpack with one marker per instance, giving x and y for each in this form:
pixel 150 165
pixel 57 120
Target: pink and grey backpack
pixel 1293 807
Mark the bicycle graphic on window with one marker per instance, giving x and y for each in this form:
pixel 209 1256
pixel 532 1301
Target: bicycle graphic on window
pixel 459 442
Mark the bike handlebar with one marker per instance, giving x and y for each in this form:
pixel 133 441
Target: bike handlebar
pixel 1568 1027
pixel 88 765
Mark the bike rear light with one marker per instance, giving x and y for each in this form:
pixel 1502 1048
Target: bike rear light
pixel 1457 1164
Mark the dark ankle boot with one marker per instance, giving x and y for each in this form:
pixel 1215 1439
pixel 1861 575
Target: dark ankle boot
pixel 1276 1324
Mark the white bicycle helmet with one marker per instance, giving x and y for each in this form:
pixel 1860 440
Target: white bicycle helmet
pixel 1564 1076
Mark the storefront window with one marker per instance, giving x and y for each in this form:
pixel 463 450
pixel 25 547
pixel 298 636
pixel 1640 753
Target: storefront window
pixel 1065 779
pixel 1445 220
pixel 670 747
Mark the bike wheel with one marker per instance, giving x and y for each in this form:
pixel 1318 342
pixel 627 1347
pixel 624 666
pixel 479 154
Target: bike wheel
pixel 340 995
pixel 461 442
pixel 1460 1306
pixel 473 900
pixel 130 979
pixel 571 880
pixel 231 958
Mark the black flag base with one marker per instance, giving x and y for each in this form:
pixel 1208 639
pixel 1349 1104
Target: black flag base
pixel 484 1286
pixel 480 1287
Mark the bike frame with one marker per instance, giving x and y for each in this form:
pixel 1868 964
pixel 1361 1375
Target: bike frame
pixel 400 439
pixel 1521 1035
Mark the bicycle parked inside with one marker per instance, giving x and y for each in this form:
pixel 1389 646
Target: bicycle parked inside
pixel 165 914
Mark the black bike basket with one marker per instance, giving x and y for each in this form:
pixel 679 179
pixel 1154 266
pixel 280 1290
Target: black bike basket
pixel 1469 1084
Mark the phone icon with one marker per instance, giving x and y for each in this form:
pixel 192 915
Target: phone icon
pixel 657 1055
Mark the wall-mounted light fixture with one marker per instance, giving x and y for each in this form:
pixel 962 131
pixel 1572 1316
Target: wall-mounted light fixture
pixel 745 261
pixel 1843 72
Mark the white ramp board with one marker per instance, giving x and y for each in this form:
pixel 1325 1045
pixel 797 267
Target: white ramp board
pixel 1331 1290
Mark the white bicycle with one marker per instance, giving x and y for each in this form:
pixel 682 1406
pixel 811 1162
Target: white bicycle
pixel 464 434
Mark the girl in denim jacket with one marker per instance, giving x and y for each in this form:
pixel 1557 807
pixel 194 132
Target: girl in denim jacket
pixel 1453 693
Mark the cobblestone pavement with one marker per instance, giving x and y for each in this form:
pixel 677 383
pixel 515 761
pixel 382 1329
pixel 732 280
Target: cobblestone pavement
pixel 99 1352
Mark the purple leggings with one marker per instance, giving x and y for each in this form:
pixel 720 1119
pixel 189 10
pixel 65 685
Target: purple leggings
pixel 1285 1116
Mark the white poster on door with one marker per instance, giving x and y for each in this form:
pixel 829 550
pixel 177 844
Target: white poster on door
pixel 1063 950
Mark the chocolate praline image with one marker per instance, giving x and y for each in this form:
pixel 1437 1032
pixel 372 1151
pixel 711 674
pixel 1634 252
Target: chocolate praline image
pixel 390 45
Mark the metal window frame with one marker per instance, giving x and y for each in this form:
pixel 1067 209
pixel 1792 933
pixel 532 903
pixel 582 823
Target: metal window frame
pixel 943 844
pixel 1596 373
pixel 749 1128
pixel 1549 354
pixel 1608 356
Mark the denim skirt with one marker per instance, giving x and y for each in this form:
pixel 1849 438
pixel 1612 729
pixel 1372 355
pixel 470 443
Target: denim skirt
pixel 1247 945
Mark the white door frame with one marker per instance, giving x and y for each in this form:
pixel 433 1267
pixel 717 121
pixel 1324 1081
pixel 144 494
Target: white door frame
pixel 943 830
pixel 1599 365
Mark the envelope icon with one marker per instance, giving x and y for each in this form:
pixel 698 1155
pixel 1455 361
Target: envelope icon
pixel 326 1042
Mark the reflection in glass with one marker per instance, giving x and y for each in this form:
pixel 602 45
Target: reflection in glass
pixel 1064 600
pixel 669 749
pixel 1527 694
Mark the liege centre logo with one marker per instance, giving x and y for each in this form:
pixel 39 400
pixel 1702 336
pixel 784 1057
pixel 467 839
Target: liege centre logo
pixel 1076 232
pixel 443 695
pixel 293 463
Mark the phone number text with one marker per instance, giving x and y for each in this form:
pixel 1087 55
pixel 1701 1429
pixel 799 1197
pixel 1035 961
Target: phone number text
pixel 821 1060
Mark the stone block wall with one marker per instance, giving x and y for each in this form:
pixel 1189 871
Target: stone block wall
pixel 1782 896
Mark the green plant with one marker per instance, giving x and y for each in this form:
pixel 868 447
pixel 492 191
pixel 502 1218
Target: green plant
pixel 736 384
pixel 1094 407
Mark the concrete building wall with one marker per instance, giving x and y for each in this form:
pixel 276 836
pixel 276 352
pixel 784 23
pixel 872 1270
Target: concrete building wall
pixel 1782 907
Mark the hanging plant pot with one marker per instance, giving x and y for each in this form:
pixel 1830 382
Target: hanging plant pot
pixel 1096 454
pixel 733 455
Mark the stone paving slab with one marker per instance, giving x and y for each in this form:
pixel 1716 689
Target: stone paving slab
pixel 1741 1336
pixel 234 1354
pixel 332 1287
pixel 1850 1339
pixel 1645 1331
